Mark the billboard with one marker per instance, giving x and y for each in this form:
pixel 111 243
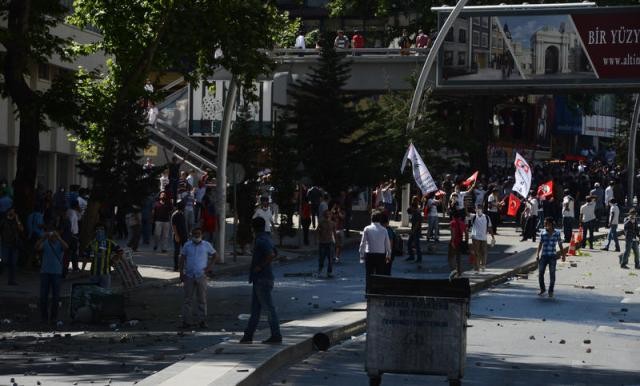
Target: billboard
pixel 545 49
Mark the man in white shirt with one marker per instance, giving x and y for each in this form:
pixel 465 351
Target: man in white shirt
pixel 375 247
pixel 608 195
pixel 300 43
pixel 432 218
pixel 588 220
pixel 480 227
pixel 614 220
pixel 568 211
pixel 73 216
pixel 264 211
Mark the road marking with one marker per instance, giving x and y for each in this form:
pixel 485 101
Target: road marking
pixel 618 331
pixel 630 301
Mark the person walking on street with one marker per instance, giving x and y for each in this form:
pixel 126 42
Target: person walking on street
pixel 326 242
pixel 261 276
pixel 264 212
pixel 614 218
pixel 337 216
pixel 531 215
pixel 547 256
pixel 432 218
pixel 375 247
pixel 305 221
pixel 631 233
pixel 52 247
pixel 457 227
pixel 415 217
pixel 493 208
pixel 134 223
pixel 10 230
pixel 480 227
pixel 568 213
pixel 197 258
pixel 180 232
pixel 588 220
pixel 161 215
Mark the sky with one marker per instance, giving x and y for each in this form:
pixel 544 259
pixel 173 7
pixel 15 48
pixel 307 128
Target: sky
pixel 523 27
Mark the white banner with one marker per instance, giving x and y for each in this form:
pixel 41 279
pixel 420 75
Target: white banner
pixel 420 172
pixel 523 176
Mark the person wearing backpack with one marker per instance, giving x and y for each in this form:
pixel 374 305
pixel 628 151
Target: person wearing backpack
pixel 480 227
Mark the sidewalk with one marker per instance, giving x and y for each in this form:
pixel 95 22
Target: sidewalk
pixel 155 267
pixel 230 363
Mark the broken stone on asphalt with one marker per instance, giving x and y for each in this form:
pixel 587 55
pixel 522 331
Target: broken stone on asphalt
pixel 587 341
pixel 562 341
pixel 589 351
pixel 532 337
pixel 628 292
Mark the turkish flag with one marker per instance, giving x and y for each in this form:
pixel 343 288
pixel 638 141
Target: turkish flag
pixel 514 205
pixel 471 179
pixel 546 190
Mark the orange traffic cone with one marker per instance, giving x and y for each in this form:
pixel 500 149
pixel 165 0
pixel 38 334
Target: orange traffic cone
pixel 572 245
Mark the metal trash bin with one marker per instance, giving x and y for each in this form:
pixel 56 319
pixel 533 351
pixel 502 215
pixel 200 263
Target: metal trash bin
pixel 417 327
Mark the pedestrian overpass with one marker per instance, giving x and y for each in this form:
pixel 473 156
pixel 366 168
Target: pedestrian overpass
pixel 191 113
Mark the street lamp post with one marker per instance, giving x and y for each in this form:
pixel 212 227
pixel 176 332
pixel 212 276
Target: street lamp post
pixel 631 153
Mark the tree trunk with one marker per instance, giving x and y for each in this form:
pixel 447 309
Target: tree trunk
pixel 90 220
pixel 27 165
pixel 16 65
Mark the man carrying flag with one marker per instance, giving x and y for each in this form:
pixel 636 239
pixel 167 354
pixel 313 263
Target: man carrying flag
pixel 514 205
pixel 523 176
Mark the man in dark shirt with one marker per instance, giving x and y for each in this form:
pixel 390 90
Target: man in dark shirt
pixel 161 217
pixel 174 176
pixel 179 226
pixel 261 276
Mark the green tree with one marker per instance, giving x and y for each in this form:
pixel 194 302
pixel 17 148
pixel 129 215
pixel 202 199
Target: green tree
pixel 28 40
pixel 144 36
pixel 325 116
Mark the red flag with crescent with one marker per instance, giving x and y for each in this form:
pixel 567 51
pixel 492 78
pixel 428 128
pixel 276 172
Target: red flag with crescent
pixel 514 205
pixel 471 179
pixel 546 190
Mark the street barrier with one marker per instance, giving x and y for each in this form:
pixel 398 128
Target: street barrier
pixel 417 327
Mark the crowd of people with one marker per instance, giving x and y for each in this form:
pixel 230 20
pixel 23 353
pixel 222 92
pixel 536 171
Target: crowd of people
pixel 357 40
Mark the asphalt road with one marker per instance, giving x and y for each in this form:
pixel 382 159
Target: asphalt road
pixel 589 334
pixel 123 354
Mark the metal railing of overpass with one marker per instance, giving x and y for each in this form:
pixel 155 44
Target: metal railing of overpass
pixel 356 53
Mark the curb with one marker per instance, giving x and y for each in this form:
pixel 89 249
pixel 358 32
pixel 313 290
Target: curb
pixel 339 334
pixel 299 350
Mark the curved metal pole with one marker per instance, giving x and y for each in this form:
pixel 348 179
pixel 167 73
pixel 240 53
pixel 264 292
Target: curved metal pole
pixel 431 58
pixel 417 94
pixel 631 153
pixel 223 145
